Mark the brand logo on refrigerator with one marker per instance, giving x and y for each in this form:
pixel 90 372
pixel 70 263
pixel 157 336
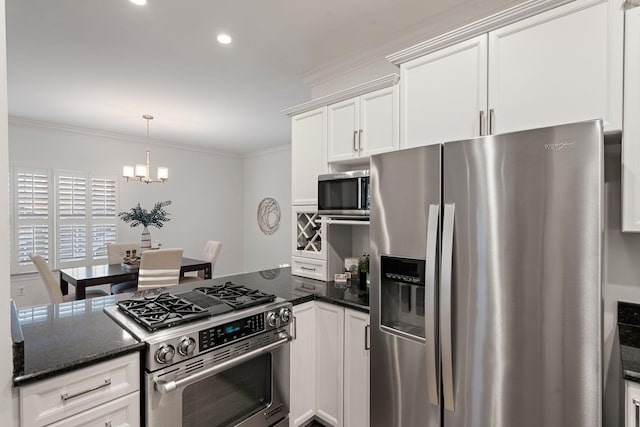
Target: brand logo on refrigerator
pixel 560 146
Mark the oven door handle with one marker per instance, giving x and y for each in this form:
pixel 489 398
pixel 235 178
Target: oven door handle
pixel 164 387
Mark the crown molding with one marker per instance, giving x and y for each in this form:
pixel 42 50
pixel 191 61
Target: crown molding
pixel 18 121
pixel 267 151
pixel 482 26
pixel 379 83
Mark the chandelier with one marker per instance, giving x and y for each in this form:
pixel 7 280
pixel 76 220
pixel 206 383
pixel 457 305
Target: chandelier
pixel 141 171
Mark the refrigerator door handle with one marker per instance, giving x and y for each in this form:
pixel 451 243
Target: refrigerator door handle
pixel 430 306
pixel 445 306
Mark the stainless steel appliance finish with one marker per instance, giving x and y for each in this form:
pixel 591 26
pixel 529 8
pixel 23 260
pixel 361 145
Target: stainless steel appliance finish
pixel 344 193
pixel 229 369
pixel 516 273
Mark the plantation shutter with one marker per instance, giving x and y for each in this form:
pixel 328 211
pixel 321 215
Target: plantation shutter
pixel 72 218
pixel 32 217
pixel 103 216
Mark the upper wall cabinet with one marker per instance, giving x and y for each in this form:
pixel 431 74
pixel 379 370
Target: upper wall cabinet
pixel 308 155
pixel 561 66
pixel 444 94
pixel 364 125
pixel 631 137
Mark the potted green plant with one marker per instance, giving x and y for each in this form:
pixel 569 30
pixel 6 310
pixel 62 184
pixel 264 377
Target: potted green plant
pixel 156 217
pixel 363 269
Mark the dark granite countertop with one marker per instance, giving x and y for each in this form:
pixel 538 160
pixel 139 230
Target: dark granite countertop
pixel 68 336
pixel 629 336
pixel 60 338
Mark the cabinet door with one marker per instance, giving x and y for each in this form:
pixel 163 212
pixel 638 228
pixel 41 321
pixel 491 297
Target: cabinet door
pixel 329 350
pixel 561 66
pixel 356 369
pixel 632 405
pixel 308 155
pixel 303 365
pixel 344 123
pixel 631 140
pixel 443 94
pixel 379 116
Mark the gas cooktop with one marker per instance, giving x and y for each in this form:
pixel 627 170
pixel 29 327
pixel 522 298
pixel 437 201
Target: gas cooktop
pixel 157 309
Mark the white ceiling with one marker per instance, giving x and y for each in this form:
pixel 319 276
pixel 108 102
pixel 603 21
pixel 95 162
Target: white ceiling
pixel 101 64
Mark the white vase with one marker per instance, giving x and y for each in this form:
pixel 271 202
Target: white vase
pixel 145 240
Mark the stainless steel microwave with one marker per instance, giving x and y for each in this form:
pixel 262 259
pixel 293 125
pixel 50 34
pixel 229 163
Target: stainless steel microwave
pixel 344 193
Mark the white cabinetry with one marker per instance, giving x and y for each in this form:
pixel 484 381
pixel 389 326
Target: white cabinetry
pixel 364 125
pixel 329 374
pixel 303 365
pixel 308 155
pixel 309 253
pixel 102 394
pixel 632 404
pixel 356 369
pixel 443 94
pixel 560 66
pixel 631 136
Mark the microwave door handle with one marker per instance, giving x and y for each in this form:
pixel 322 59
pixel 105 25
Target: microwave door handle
pixel 165 387
pixel 445 306
pixel 430 306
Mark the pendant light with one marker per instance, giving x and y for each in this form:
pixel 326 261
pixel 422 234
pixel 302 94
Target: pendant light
pixel 141 171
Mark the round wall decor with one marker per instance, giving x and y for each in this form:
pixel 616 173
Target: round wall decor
pixel 268 215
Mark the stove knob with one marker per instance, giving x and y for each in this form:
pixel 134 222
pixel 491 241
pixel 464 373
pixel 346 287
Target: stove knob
pixel 272 318
pixel 285 315
pixel 165 354
pixel 187 346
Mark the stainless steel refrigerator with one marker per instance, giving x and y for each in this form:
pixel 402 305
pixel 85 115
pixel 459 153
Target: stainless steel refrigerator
pixel 486 281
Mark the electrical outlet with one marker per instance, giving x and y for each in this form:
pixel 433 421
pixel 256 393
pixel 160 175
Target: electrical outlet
pixel 21 291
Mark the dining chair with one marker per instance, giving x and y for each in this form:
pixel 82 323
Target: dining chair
pixel 159 267
pixel 117 251
pixel 52 286
pixel 210 253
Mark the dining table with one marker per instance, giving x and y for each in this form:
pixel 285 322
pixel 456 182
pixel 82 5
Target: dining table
pixel 93 275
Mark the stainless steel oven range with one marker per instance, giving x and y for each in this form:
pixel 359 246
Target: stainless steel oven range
pixel 215 356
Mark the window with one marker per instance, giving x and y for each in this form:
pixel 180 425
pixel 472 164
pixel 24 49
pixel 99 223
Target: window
pixel 68 219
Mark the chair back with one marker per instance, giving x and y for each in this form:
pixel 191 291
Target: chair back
pixel 53 288
pixel 117 251
pixel 159 267
pixel 210 253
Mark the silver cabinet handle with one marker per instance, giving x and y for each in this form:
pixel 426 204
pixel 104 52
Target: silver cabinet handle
pixel 492 121
pixel 367 344
pixel 430 311
pixel 67 396
pixel 165 387
pixel 445 306
pixel 295 328
pixel 636 402
pixel 355 135
pixel 360 140
pixel 307 268
pixel 482 122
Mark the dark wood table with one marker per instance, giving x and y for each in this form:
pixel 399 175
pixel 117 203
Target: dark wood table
pixel 93 275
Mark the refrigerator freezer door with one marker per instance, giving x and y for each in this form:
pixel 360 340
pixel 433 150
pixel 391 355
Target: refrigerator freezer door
pixel 526 278
pixel 405 203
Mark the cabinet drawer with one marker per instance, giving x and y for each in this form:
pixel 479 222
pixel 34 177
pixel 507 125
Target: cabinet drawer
pixel 60 397
pixel 122 412
pixel 311 268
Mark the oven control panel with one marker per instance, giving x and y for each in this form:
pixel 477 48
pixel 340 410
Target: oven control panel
pixel 229 332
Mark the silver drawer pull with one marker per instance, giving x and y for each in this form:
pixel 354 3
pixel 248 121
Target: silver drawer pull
pixel 307 268
pixel 68 396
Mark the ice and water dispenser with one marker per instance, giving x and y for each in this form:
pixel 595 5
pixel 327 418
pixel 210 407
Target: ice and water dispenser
pixel 402 295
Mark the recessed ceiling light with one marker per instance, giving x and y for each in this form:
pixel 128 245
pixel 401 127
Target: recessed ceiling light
pixel 224 38
pixel 139 2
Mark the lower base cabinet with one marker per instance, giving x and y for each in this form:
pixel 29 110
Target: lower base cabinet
pixel 330 366
pixel 104 394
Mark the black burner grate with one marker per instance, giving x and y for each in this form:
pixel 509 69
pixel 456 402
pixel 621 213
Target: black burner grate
pixel 161 311
pixel 237 296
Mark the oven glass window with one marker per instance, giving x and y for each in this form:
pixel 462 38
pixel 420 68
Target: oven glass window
pixel 339 194
pixel 230 396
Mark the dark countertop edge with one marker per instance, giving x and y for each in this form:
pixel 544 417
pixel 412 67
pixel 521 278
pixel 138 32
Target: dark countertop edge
pixel 61 369
pixel 631 375
pixel 314 297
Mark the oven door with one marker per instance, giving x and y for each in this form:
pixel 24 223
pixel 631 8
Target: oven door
pixel 235 385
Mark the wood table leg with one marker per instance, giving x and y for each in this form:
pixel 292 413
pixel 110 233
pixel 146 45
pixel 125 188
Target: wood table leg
pixel 81 291
pixel 64 286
